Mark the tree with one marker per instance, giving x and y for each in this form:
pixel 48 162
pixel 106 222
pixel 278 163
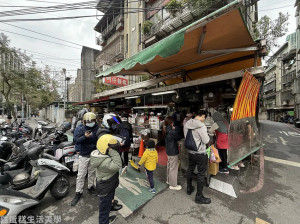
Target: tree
pixel 271 30
pixel 19 77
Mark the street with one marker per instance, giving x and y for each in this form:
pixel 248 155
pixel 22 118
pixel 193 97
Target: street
pixel 276 202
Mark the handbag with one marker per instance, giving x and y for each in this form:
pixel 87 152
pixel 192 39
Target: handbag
pixel 189 142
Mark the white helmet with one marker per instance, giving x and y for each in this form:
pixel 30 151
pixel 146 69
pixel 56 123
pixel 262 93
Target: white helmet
pixel 107 117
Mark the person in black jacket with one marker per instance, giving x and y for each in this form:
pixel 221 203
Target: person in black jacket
pixel 85 139
pixel 172 136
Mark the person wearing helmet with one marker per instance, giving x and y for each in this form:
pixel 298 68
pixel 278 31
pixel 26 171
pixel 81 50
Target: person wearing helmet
pixel 85 139
pixel 107 162
pixel 76 121
pixel 110 125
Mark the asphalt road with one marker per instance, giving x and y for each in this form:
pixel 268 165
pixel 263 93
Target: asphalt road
pixel 274 199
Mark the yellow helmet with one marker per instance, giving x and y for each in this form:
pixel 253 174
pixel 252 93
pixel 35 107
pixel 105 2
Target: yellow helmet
pixel 89 116
pixel 104 140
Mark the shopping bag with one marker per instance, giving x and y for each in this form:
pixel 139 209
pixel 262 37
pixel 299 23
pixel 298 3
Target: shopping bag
pixel 214 155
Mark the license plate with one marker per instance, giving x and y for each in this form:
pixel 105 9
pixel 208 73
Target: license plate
pixel 69 159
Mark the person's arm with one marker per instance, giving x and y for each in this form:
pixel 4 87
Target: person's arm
pixel 213 128
pixel 203 134
pixel 156 155
pixel 143 159
pixel 79 136
pixel 116 162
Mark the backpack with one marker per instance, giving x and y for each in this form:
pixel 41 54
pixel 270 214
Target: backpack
pixel 189 142
pixel 124 132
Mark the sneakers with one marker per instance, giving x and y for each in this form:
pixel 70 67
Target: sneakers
pixel 177 188
pixel 115 206
pixel 92 191
pixel 202 200
pixel 152 190
pixel 224 170
pixel 124 170
pixel 190 190
pixel 236 167
pixel 112 219
pixel 76 198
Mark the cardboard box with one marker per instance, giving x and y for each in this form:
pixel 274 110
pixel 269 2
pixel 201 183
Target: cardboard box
pixel 213 168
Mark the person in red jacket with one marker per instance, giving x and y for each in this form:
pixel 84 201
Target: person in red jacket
pixel 220 127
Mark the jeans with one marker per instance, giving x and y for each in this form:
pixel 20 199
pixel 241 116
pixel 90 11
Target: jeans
pixel 104 207
pixel 199 160
pixel 150 178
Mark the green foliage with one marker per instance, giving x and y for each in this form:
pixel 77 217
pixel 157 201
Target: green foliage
pixel 271 30
pixel 174 6
pixel 146 27
pixel 100 87
pixel 193 4
pixel 36 86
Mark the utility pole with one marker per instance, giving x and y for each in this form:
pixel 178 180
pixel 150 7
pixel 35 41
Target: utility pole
pixel 64 71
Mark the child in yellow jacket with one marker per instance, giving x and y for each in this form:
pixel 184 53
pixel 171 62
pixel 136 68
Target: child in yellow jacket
pixel 150 158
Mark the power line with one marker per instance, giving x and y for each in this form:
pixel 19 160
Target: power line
pixel 39 39
pixel 275 8
pixel 43 34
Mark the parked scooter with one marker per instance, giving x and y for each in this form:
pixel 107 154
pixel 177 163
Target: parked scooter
pixel 49 175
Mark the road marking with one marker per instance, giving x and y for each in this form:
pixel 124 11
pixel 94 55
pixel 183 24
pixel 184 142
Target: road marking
pixel 286 162
pixel 283 132
pixel 260 221
pixel 283 141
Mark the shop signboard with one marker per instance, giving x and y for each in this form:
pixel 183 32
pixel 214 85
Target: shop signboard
pixel 115 81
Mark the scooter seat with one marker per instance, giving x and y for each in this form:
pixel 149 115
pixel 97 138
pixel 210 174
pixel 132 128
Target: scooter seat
pixel 65 144
pixel 48 127
pixel 15 193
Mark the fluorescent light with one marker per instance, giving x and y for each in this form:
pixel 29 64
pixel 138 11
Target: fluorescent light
pixel 131 97
pixel 163 93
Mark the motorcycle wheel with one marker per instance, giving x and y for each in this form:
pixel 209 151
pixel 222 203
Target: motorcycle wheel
pixel 60 188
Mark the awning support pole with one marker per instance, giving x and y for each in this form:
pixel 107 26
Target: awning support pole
pixel 202 39
pixel 231 50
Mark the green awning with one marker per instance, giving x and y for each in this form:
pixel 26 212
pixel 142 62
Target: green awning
pixel 167 47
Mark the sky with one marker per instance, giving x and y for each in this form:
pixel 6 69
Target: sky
pixel 81 31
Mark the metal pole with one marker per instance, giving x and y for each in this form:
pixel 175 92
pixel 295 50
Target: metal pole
pixel 64 71
pixel 22 107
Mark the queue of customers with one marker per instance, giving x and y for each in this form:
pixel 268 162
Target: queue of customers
pixel 102 153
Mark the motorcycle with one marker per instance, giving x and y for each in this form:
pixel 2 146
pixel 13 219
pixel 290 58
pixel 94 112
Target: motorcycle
pixel 49 175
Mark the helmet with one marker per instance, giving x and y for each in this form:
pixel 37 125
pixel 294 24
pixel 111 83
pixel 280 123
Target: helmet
pixel 107 117
pixel 104 140
pixel 81 113
pixel 66 125
pixel 89 116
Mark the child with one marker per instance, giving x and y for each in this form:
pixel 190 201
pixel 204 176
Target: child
pixel 150 158
pixel 107 163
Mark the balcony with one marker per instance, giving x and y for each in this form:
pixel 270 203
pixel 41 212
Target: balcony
pixel 117 24
pixel 287 80
pixel 111 54
pixel 165 26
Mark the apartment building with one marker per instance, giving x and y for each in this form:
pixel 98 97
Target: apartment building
pixel 84 88
pixel 296 81
pixel 279 80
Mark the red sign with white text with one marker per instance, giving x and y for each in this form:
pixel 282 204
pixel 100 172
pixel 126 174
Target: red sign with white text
pixel 115 80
